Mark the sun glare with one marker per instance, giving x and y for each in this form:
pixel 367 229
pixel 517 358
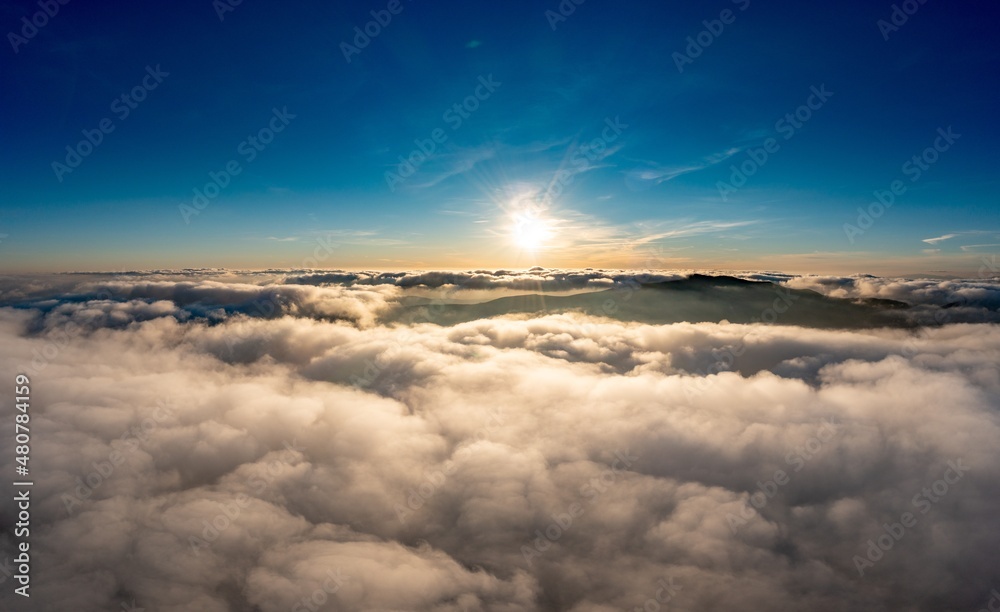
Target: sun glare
pixel 531 232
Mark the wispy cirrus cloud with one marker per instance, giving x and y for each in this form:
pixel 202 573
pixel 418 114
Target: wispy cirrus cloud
pixel 443 166
pixel 653 173
pixel 686 229
pixel 939 238
pixel 951 235
pixel 356 237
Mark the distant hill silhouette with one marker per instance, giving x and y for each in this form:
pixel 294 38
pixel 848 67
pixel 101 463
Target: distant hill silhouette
pixel 696 299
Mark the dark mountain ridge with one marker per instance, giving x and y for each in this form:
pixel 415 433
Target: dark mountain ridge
pixel 696 299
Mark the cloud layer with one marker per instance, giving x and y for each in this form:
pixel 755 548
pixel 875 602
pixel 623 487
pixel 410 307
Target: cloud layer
pixel 191 454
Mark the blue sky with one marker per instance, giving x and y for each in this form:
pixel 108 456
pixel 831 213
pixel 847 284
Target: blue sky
pixel 530 172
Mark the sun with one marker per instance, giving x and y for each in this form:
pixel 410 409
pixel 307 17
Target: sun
pixel 531 232
pixel 527 223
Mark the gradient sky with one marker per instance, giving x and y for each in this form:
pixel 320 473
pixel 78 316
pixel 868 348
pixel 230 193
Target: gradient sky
pixel 648 198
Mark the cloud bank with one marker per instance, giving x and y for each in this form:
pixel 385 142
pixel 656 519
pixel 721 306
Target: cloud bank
pixel 191 453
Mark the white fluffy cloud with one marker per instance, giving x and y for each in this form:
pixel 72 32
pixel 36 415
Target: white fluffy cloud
pixel 526 462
